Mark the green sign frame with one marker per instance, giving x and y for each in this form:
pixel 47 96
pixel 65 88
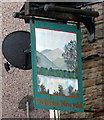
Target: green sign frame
pixel 52 101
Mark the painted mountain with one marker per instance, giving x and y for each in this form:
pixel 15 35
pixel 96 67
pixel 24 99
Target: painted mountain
pixel 46 51
pixel 60 63
pixel 43 61
pixel 55 56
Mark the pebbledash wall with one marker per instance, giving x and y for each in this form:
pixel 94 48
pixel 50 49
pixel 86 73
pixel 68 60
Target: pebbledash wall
pixel 92 70
pixel 17 83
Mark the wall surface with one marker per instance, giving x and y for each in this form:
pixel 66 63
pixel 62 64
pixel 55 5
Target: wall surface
pixel 0 60
pixel 92 70
pixel 16 84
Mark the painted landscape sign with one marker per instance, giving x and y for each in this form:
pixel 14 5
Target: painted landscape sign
pixel 56 66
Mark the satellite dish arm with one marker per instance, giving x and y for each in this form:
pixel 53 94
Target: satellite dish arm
pixel 27 56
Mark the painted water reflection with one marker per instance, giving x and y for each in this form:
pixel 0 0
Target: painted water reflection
pixel 57 85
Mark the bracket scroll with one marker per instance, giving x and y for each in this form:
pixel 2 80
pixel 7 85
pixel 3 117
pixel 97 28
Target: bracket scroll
pixel 89 23
pixel 55 13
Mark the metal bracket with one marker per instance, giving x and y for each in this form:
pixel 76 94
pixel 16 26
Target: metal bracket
pixel 27 57
pixel 60 14
pixel 91 29
pixel 89 23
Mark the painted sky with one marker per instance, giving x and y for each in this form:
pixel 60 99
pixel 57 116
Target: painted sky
pixel 51 39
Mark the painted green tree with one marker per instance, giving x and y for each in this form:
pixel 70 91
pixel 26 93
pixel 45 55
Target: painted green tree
pixel 70 55
pixel 61 91
pixel 70 90
pixel 42 88
pixel 73 91
pixel 47 91
pixel 55 92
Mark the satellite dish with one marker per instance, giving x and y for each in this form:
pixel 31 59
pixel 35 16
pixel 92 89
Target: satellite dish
pixel 16 49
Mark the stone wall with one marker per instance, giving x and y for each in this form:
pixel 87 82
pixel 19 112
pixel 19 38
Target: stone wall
pixel 92 70
pixel 16 84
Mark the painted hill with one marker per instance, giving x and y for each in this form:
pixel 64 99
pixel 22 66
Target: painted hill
pixel 53 54
pixel 43 61
pixel 46 51
pixel 60 63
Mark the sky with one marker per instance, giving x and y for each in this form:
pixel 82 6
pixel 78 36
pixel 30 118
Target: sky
pixel 50 39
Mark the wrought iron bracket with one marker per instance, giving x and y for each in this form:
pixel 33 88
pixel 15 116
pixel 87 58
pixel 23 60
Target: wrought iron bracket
pixel 89 20
pixel 89 23
pixel 50 12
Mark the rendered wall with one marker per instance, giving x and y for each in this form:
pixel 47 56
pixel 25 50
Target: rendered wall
pixel 16 84
pixel 0 60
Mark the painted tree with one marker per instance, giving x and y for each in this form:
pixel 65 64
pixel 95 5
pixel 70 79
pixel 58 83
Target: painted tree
pixel 70 90
pixel 61 91
pixel 76 92
pixel 73 91
pixel 70 55
pixel 42 88
pixel 47 91
pixel 55 92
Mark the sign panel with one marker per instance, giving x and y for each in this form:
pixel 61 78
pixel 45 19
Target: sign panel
pixel 56 66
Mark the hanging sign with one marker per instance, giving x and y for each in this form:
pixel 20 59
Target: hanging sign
pixel 56 66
